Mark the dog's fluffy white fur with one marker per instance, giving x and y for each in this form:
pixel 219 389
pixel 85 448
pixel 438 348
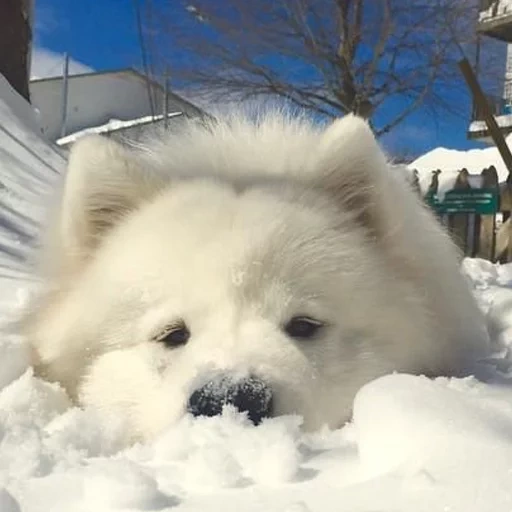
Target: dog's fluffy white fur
pixel 234 227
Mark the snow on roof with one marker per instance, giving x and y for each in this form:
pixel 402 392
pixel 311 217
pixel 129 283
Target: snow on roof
pixel 504 121
pixel 496 9
pixel 121 71
pixel 114 125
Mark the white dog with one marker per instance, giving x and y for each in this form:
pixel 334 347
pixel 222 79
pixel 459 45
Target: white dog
pixel 269 264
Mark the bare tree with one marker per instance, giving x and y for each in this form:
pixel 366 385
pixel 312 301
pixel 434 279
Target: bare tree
pixel 15 43
pixel 382 59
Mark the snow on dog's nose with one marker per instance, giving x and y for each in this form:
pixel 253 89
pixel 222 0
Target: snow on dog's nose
pixel 250 395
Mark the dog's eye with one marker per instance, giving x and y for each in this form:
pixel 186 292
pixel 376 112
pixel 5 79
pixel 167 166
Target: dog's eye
pixel 303 328
pixel 174 336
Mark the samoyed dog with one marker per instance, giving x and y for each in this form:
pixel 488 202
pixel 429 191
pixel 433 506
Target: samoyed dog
pixel 268 264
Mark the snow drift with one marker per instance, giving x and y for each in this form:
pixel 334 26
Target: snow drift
pixel 451 161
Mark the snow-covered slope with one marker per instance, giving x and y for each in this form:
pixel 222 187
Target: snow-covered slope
pixel 28 167
pixel 413 445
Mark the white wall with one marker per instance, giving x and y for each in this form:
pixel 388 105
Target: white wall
pixel 95 99
pixel 29 168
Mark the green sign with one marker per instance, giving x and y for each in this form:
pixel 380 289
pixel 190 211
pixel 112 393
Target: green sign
pixel 472 200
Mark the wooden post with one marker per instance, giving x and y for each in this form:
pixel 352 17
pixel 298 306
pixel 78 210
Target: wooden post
pixel 434 183
pixel 416 182
pixel 502 235
pixel 432 189
pixel 494 130
pixel 509 250
pixel 487 230
pixel 458 222
pixel 65 80
pixel 489 119
pixel 166 99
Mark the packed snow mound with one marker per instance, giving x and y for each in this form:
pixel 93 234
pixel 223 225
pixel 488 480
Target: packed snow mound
pixel 492 285
pixel 450 161
pixel 474 160
pixel 413 444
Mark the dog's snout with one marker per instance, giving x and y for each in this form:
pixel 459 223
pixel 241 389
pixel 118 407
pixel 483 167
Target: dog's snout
pixel 251 395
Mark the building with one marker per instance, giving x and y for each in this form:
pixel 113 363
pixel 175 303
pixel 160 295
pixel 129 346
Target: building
pixel 495 20
pixel 108 101
pixel 133 130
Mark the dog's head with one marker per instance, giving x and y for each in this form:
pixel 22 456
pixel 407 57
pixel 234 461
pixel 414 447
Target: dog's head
pixel 239 263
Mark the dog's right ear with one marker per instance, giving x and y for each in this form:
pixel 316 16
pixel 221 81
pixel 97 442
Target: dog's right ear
pixel 105 181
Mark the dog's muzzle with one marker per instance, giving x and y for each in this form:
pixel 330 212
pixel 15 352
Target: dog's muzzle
pixel 250 395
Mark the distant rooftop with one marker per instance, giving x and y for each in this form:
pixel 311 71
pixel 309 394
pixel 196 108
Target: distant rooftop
pixel 122 71
pixel 114 125
pixel 119 71
pixel 495 19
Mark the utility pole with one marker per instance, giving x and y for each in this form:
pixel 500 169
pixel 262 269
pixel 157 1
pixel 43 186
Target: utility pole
pixel 65 76
pixel 166 98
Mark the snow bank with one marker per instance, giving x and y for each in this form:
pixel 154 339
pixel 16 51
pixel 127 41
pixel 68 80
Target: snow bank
pixel 450 161
pixel 414 444
pixel 28 167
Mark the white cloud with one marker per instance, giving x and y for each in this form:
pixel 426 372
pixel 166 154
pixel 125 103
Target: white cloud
pixel 46 21
pixel 46 63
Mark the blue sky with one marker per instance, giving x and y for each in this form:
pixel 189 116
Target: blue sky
pixel 102 34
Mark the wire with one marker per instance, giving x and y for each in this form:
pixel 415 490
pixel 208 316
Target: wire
pixel 143 52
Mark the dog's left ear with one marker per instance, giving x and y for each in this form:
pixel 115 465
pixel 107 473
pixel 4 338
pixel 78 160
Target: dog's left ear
pixel 105 181
pixel 354 170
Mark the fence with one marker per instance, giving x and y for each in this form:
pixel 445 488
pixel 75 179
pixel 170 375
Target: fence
pixel 476 212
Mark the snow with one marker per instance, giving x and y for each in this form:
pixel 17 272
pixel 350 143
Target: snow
pixel 504 121
pixel 496 9
pixel 112 126
pixel 414 444
pixel 451 161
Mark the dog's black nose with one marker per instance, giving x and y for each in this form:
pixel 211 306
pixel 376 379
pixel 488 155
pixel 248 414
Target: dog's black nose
pixel 250 395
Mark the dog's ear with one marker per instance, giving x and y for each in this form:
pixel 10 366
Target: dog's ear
pixel 354 169
pixel 105 181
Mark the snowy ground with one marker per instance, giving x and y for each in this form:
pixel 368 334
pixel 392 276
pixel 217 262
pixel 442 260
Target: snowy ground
pixel 413 445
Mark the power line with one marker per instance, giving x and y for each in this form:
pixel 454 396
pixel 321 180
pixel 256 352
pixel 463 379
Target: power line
pixel 143 51
pixel 150 42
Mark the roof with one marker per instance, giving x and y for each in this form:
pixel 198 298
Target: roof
pixel 122 71
pixel 131 71
pixel 115 125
